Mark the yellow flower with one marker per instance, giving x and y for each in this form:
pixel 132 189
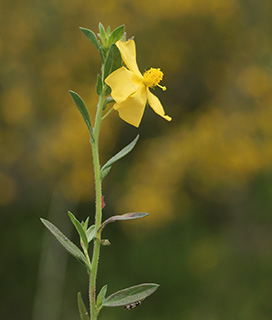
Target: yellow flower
pixel 130 89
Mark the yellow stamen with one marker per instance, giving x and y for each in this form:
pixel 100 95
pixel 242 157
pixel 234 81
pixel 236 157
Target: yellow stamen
pixel 152 77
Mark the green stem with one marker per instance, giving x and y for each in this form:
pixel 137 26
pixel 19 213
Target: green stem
pixel 105 115
pixel 98 215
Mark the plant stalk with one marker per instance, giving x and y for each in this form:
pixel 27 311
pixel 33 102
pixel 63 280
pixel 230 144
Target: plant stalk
pixel 98 213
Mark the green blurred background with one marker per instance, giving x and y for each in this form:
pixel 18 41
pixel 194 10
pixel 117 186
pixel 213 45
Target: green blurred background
pixel 205 178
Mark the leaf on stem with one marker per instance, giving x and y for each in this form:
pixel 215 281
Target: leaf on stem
pixel 99 85
pixel 80 229
pixel 90 35
pixel 120 154
pixel 102 33
pixel 67 244
pixel 90 233
pixel 117 34
pixel 83 110
pixel 85 224
pixel 126 216
pixel 81 308
pixel 105 172
pixel 101 296
pixel 130 295
pixel 113 61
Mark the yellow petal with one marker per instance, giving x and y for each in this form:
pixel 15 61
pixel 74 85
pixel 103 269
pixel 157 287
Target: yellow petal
pixel 128 53
pixel 156 105
pixel 132 109
pixel 123 83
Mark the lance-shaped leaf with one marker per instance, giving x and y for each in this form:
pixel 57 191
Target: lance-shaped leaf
pixel 117 34
pixel 130 295
pixel 90 35
pixel 98 85
pixel 102 34
pixel 81 308
pixel 101 296
pixel 105 172
pixel 67 244
pixel 83 110
pixel 126 216
pixel 80 229
pixel 120 154
pixel 90 232
pixel 114 60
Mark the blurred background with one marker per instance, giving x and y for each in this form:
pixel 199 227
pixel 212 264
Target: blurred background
pixel 205 178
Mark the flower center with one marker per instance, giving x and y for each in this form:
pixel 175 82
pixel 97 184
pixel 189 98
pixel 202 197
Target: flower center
pixel 153 77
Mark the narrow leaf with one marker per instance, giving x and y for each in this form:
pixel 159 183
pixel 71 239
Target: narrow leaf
pixel 130 295
pixel 85 224
pixel 101 296
pixel 126 216
pixel 79 228
pixel 83 110
pixel 102 33
pixel 81 307
pixel 99 85
pixel 105 172
pixel 108 31
pixel 107 90
pixel 117 34
pixel 90 233
pixel 90 35
pixel 121 154
pixel 108 63
pixel 67 244
pixel 113 61
pixel 116 58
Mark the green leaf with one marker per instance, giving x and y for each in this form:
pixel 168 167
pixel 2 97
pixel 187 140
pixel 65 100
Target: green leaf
pixel 107 90
pixel 108 31
pixel 108 63
pixel 116 58
pixel 90 233
pixel 67 244
pixel 130 295
pixel 85 224
pixel 99 85
pixel 81 307
pixel 90 35
pixel 113 61
pixel 121 154
pixel 102 34
pixel 80 229
pixel 126 216
pixel 101 296
pixel 83 110
pixel 117 34
pixel 105 172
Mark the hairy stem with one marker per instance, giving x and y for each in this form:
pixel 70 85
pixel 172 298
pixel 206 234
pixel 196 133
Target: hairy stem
pixel 98 214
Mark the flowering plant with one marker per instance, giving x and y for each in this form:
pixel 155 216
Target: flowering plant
pixel 129 90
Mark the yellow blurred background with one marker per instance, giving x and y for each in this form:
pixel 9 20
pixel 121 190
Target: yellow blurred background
pixel 205 178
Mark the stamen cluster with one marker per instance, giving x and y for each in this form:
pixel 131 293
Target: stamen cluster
pixel 153 77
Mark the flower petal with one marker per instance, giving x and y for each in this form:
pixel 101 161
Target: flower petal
pixel 123 83
pixel 128 53
pixel 132 109
pixel 156 105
